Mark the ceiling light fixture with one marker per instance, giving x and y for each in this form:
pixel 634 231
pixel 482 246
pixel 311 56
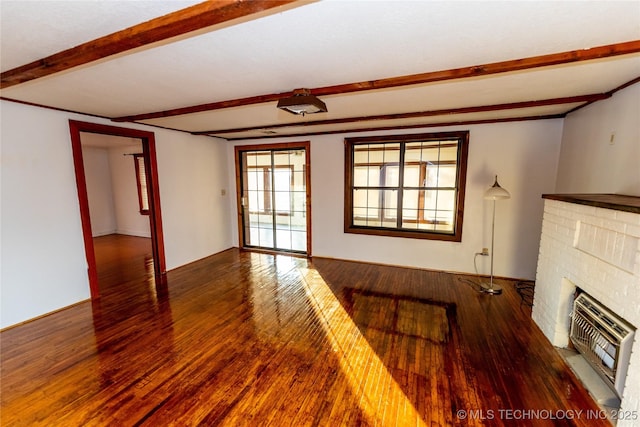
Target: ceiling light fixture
pixel 302 102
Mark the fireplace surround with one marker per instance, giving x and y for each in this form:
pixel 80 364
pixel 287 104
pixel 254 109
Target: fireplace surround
pixel 591 242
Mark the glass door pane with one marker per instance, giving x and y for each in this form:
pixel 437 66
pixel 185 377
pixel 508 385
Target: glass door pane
pixel 257 215
pixel 274 198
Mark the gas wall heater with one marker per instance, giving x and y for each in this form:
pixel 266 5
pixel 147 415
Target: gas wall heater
pixel 603 338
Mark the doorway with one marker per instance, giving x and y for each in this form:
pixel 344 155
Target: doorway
pixel 145 159
pixel 274 195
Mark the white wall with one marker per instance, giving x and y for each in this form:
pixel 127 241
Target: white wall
pixel 125 192
pixel 589 163
pixel 43 261
pixel 99 192
pixel 193 173
pixel 523 154
pixel 42 250
pixel 112 189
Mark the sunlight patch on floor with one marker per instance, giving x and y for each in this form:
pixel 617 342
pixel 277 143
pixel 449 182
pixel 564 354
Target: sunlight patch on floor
pixel 381 398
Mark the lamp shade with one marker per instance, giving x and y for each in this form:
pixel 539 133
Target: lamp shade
pixel 302 102
pixel 496 192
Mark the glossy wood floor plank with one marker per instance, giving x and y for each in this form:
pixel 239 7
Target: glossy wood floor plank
pixel 254 339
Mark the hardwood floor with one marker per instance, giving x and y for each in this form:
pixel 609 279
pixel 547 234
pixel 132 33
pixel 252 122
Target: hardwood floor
pixel 254 339
pixel 122 261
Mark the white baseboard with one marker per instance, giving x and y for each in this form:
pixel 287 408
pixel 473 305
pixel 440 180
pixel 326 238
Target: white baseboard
pixel 103 233
pixel 136 233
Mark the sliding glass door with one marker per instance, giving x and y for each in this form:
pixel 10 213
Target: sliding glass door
pixel 274 197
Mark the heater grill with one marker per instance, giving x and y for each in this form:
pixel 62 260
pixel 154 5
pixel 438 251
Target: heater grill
pixel 603 339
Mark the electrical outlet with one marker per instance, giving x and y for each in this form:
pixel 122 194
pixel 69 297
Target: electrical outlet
pixel 485 251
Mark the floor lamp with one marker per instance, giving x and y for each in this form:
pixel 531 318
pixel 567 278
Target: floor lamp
pixel 494 193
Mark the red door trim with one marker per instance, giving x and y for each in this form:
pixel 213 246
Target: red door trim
pixel 155 217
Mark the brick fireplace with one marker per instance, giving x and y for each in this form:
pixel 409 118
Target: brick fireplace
pixel 591 243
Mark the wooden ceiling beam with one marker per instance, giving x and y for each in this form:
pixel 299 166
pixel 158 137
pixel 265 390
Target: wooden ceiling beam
pixel 443 112
pixel 414 79
pixel 610 93
pixel 428 125
pixel 174 24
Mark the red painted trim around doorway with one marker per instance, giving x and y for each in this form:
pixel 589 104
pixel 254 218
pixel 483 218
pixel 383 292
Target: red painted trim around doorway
pixel 155 217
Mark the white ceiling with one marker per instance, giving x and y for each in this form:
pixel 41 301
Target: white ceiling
pixel 35 29
pixel 319 44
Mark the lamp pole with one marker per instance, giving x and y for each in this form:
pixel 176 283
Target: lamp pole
pixel 491 289
pixel 494 193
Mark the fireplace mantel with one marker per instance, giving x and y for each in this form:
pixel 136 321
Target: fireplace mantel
pixel 616 202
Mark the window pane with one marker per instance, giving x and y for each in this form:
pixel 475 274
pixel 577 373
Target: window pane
pixel 391 153
pixel 255 199
pixel 359 221
pixel 444 227
pixel 430 199
pixel 368 176
pixel 361 176
pixel 431 178
pixel 449 153
pixel 411 199
pixel 261 237
pixel 389 223
pixel 266 237
pixel 361 155
pixel 391 176
pixel 250 159
pixel 428 174
pixel 410 218
pixel 254 219
pixel 427 226
pixel 359 198
pixel 412 153
pixel 258 158
pixel 274 197
pixel 447 176
pixel 282 179
pixel 446 199
pixel 298 220
pixel 439 208
pixel 412 176
pixel 298 201
pixel 282 196
pixel 373 213
pixel 373 199
pixel 430 154
pixel 430 206
pixel 142 183
pixel 281 158
pixel 390 205
pixel 298 181
pixel 374 217
pixel 265 220
pixel 283 202
pixel 255 185
pixel 359 213
pixel 255 178
pixel 299 240
pixel 283 239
